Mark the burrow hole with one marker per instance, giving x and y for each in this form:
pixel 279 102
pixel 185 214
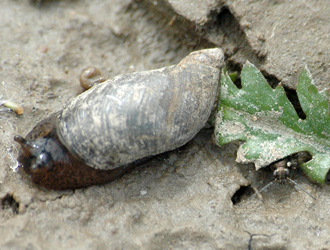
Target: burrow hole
pixel 8 202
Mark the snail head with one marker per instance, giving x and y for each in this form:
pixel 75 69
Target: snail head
pixel 39 155
pixel 49 163
pixel 43 157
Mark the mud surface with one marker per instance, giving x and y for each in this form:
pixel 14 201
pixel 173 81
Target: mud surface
pixel 193 198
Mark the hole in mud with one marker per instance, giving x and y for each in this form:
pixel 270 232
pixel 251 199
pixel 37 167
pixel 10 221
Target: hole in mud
pixel 8 202
pixel 241 194
pixel 228 23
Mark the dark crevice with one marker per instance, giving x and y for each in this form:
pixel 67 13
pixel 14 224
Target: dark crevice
pixel 232 66
pixel 243 192
pixel 327 178
pixel 224 29
pixel 293 98
pixel 8 202
pixel 227 25
pixel 227 30
pixel 238 82
pixel 272 80
pixel 235 67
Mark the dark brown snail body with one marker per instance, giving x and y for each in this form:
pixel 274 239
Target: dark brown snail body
pixel 112 127
pixel 51 165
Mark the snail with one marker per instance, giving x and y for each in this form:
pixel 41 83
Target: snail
pixel 90 77
pixel 120 123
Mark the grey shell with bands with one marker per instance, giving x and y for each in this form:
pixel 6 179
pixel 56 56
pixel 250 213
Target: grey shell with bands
pixel 136 115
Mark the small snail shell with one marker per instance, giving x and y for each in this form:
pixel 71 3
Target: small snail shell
pixel 107 130
pixel 90 77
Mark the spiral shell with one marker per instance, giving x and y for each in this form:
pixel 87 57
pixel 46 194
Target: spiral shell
pixel 126 119
pixel 141 114
pixel 90 77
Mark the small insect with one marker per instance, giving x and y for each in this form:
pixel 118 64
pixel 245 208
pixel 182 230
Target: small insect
pixel 281 170
pixel 116 125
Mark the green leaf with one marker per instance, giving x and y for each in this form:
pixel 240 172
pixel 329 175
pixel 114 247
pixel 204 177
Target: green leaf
pixel 268 124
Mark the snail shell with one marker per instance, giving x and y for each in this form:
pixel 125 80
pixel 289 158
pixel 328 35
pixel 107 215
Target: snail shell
pixel 115 125
pixel 90 77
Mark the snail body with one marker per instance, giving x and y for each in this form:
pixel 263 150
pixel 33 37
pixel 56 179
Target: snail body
pixel 115 125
